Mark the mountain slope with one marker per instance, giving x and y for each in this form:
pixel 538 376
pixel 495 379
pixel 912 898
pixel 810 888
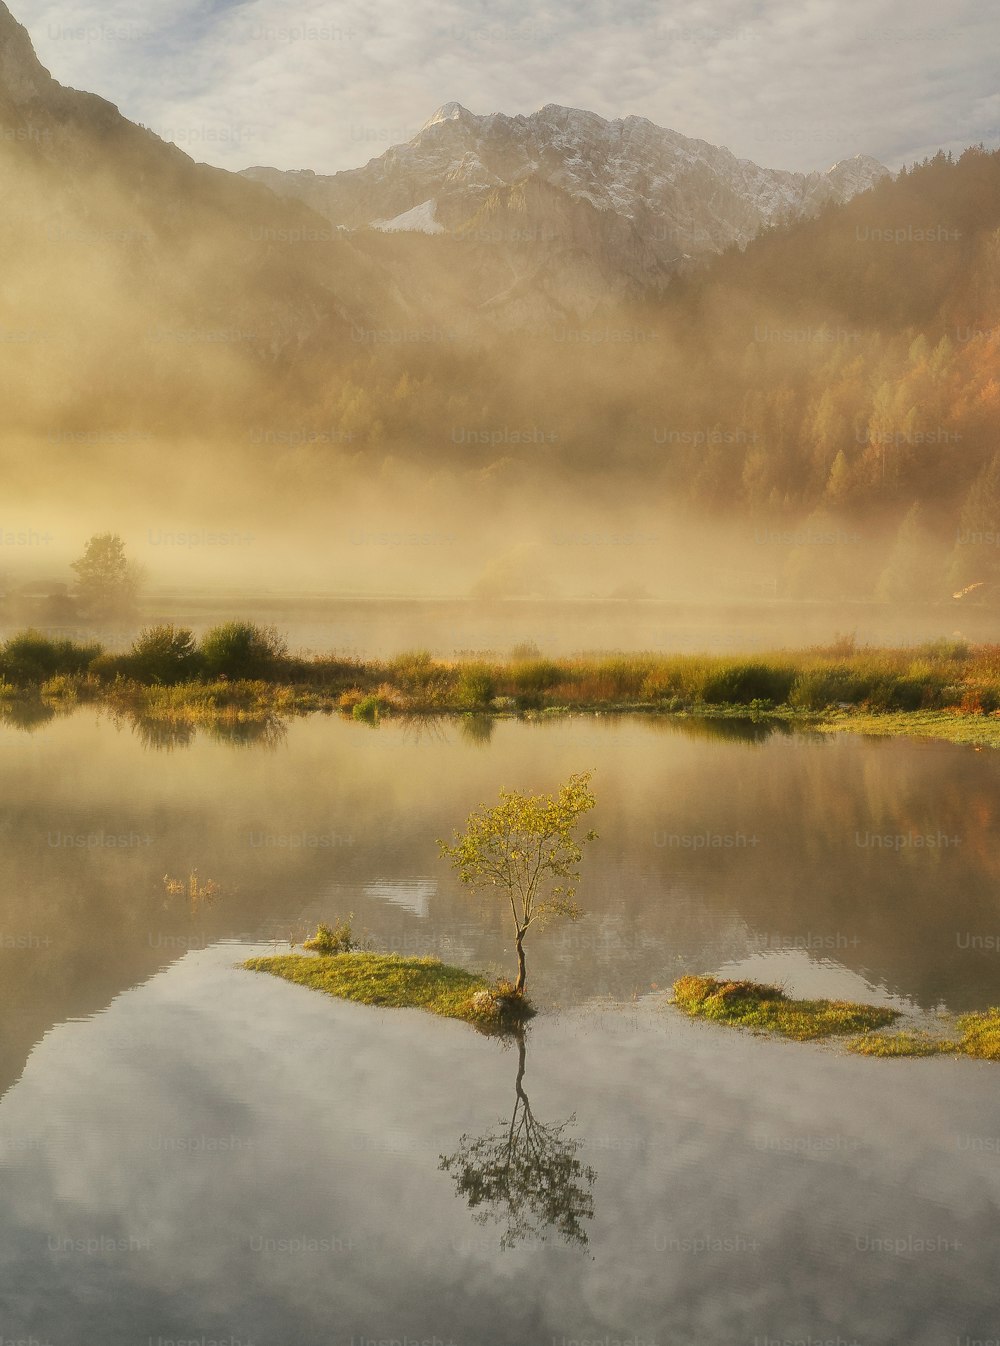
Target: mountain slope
pixel 127 265
pixel 681 196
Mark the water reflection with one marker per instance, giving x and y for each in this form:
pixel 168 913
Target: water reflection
pixel 726 731
pixel 164 735
pixel 161 735
pixel 526 1175
pixel 713 851
pixel 477 729
pixel 267 732
pixel 26 713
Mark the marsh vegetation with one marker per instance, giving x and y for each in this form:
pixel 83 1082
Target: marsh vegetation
pixel 241 672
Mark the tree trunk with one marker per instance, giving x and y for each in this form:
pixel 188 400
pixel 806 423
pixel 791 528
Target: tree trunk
pixel 521 1058
pixel 519 987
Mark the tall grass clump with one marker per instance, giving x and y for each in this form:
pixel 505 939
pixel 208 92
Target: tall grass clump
pixel 477 686
pixel 420 678
pixel 740 683
pixel 528 680
pixel 332 939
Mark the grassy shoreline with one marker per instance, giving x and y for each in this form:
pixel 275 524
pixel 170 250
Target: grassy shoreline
pixel 946 689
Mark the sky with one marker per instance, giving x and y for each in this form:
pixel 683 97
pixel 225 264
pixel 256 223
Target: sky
pixel 325 84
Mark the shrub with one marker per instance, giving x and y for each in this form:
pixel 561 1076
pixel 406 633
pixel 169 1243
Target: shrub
pixel 817 688
pixel 31 657
pixel 476 685
pixel 332 939
pixel 242 650
pixel 912 694
pixel 369 708
pixel 536 676
pixel 108 667
pixel 413 671
pixel 164 654
pixel 349 699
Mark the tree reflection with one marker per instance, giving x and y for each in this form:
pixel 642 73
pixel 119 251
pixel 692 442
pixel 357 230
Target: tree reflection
pixel 264 731
pixel 27 713
pixel 477 729
pixel 525 1175
pixel 162 735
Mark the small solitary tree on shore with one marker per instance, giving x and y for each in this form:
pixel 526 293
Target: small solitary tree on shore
pixel 525 850
pixel 107 582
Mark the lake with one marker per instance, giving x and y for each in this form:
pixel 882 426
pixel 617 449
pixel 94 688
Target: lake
pixel 189 1151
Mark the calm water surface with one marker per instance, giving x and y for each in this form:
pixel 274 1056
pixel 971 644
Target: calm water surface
pixel 189 1151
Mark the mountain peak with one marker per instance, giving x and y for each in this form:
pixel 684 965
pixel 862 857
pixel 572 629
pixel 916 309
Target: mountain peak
pixel 857 173
pixel 661 196
pixel 448 112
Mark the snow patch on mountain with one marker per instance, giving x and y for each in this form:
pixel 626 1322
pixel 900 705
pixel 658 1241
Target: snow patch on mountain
pixel 418 220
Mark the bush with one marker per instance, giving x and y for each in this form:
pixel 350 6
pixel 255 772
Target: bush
pixel 739 684
pixel 914 693
pixel 476 685
pixel 332 939
pixel 242 650
pixel 413 671
pixel 163 654
pixel 31 657
pixel 536 676
pixel 369 708
pixel 817 688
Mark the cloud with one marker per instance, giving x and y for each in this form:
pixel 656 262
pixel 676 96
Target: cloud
pixel 326 85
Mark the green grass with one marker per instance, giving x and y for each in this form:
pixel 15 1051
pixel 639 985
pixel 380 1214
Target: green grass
pixel 766 1009
pixel 954 726
pixel 392 981
pixel 981 1035
pixel 902 1044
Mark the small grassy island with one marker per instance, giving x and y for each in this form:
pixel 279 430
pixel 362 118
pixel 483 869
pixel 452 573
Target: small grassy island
pixel 336 965
pixel 766 1009
pixel 748 1004
pixel 395 982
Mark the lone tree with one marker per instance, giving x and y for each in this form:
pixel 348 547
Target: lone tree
pixel 107 582
pixel 525 849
